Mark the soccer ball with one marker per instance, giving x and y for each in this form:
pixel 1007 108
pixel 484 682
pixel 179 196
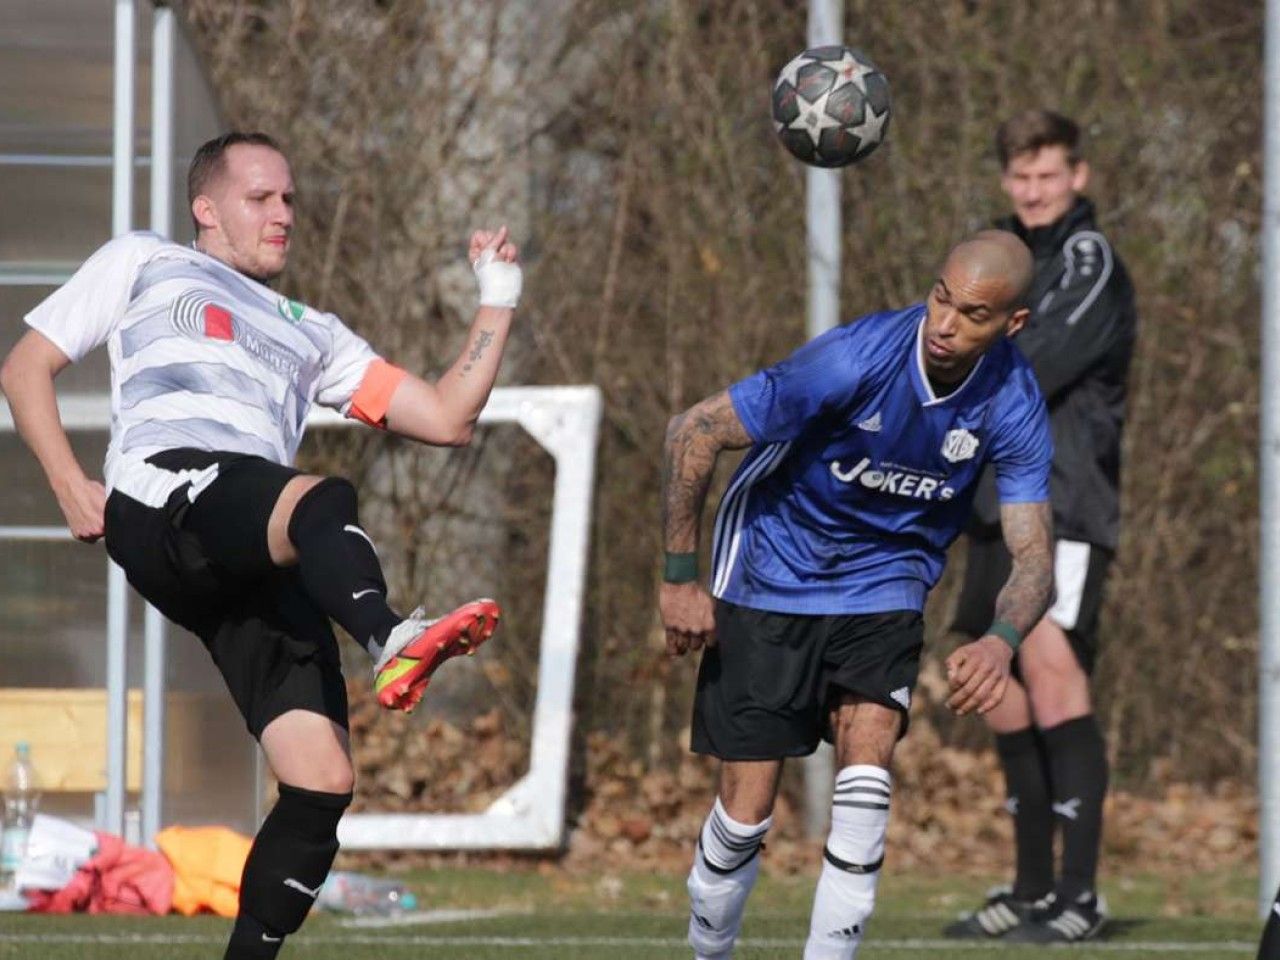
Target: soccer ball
pixel 831 106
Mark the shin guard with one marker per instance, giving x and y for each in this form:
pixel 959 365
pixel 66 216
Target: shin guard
pixel 291 857
pixel 725 868
pixel 846 891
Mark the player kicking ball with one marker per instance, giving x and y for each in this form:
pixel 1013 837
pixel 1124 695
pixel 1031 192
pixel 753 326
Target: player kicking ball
pixel 212 376
pixel 865 446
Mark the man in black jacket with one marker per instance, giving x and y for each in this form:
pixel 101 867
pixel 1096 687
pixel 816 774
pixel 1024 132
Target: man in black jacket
pixel 1079 339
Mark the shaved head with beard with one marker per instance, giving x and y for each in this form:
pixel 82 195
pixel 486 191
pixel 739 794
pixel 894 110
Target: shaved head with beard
pixel 977 299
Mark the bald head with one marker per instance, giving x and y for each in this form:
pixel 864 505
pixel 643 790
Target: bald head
pixel 977 300
pixel 994 256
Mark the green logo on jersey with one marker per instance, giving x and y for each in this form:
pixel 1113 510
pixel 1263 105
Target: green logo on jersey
pixel 291 310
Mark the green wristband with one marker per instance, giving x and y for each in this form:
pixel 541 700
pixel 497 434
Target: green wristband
pixel 1007 632
pixel 680 568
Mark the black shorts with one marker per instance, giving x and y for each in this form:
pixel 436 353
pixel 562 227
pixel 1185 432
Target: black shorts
pixel 766 688
pixel 1079 574
pixel 274 647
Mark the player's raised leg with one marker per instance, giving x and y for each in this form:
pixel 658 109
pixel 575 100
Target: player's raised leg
pixel 727 862
pixel 315 524
pixel 865 734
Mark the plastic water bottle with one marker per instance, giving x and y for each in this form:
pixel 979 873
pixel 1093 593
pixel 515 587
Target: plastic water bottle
pixel 20 802
pixel 364 896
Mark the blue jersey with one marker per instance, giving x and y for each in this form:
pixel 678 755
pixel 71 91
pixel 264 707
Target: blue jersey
pixel 861 477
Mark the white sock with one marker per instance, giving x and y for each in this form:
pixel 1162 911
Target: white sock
pixel 725 867
pixel 851 863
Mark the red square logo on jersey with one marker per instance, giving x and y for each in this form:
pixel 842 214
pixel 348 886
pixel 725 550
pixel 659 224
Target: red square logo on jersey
pixel 217 323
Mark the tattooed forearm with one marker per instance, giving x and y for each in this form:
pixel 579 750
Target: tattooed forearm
pixel 483 339
pixel 694 440
pixel 1028 533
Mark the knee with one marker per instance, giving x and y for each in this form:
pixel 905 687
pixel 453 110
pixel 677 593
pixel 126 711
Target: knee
pixel 327 500
pixel 322 769
pixel 747 809
pixel 1058 696
pixel 747 789
pixel 334 777
pixel 866 733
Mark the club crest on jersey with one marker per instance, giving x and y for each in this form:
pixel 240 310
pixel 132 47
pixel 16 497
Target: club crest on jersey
pixel 291 310
pixel 200 318
pixel 959 445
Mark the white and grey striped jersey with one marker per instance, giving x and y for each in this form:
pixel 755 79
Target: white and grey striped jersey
pixel 201 356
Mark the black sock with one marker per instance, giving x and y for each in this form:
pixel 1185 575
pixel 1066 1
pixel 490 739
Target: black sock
pixel 250 940
pixel 1078 770
pixel 1269 948
pixel 338 565
pixel 1026 777
pixel 287 865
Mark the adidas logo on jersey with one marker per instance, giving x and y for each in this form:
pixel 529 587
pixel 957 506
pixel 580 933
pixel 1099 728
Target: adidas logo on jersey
pixel 871 424
pixel 902 483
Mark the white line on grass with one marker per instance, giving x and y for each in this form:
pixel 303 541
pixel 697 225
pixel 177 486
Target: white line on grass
pixel 1100 946
pixel 424 917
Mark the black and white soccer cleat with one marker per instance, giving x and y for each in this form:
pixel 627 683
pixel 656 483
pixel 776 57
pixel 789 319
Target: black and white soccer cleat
pixel 1054 920
pixel 999 915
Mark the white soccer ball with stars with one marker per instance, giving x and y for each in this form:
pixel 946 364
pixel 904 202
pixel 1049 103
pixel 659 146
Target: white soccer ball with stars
pixel 831 106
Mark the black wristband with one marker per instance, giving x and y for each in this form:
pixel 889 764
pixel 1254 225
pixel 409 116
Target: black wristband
pixel 1007 632
pixel 680 568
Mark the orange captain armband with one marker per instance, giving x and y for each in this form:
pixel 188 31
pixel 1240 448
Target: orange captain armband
pixel 373 397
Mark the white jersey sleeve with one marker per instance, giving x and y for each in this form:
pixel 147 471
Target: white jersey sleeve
pixel 347 364
pixel 81 314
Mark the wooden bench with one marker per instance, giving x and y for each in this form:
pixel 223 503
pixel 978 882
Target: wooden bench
pixel 67 731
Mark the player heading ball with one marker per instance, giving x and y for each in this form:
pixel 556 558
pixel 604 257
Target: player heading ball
pixel 811 620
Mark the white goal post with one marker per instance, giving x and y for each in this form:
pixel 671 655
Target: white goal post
pixel 565 421
pixel 530 815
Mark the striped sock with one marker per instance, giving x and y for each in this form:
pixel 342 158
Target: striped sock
pixel 846 891
pixel 724 871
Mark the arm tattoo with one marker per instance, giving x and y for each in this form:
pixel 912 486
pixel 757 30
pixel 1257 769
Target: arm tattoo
pixel 694 439
pixel 1028 533
pixel 483 339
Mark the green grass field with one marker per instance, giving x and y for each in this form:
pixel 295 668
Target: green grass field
pixel 481 914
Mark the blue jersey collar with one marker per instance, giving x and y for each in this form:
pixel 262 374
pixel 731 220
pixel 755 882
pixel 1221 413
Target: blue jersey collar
pixel 920 379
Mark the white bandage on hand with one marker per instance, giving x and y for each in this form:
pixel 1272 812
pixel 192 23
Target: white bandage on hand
pixel 500 282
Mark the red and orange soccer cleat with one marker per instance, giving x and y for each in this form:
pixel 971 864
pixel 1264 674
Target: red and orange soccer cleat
pixel 418 646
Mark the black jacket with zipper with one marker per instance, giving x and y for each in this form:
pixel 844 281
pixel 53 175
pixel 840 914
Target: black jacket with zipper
pixel 1079 340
